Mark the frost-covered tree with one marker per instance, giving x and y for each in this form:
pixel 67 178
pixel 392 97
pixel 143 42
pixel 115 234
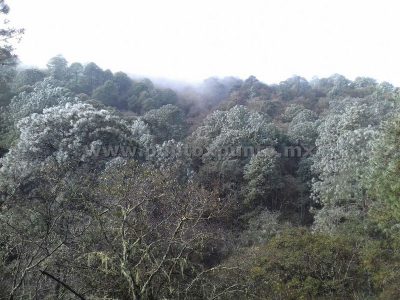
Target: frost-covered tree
pixel 223 132
pixel 304 115
pixel 63 138
pixel 364 82
pixel 7 131
pixel 338 85
pixel 303 127
pixel 344 144
pixel 291 111
pixel 227 141
pixel 141 132
pixel 305 133
pixel 263 178
pixel 45 94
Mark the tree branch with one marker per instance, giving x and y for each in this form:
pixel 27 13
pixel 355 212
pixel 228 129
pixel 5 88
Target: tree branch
pixel 63 284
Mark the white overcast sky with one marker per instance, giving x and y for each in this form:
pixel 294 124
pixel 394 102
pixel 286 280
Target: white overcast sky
pixel 192 40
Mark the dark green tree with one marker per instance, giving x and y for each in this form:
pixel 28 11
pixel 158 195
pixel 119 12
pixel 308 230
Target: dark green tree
pixel 58 67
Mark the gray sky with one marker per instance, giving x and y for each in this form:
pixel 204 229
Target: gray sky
pixel 192 40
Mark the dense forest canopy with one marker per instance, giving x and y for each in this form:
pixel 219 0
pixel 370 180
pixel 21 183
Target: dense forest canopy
pixel 118 188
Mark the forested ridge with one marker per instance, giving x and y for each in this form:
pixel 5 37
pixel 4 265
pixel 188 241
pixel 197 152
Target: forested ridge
pixel 120 188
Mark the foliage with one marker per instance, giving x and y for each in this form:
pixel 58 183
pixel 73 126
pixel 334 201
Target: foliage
pixel 343 149
pixel 7 36
pixel 227 140
pixel 66 137
pixel 120 188
pixel 297 264
pixel 44 94
pixel 28 77
pixel 166 123
pixel 131 234
pixel 263 178
pixel 384 168
pixel 58 67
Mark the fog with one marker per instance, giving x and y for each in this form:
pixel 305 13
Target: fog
pixel 191 41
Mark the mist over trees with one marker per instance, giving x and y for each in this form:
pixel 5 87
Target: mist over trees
pixel 119 188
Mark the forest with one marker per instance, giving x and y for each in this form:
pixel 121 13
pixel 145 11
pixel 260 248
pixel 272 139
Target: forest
pixel 120 187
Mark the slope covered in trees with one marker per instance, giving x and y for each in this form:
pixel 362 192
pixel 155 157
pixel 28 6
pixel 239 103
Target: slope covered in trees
pixel 117 188
pixel 113 187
